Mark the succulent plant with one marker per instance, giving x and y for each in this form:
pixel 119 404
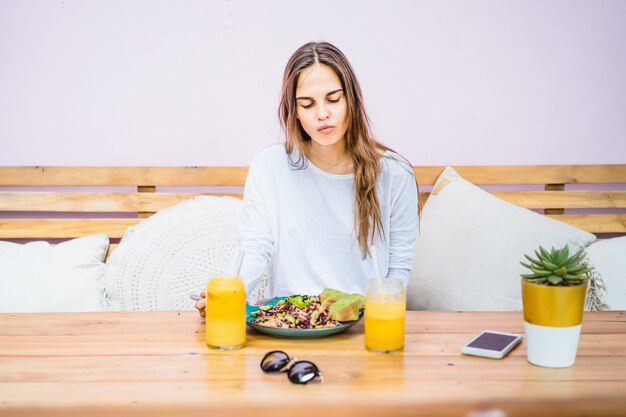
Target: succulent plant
pixel 556 267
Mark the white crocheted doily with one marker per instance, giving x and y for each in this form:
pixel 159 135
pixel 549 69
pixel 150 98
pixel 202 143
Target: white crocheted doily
pixel 170 255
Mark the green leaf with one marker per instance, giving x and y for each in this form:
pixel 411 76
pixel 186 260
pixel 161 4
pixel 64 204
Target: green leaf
pixel 556 259
pixel 554 280
pixel 549 265
pixel 560 257
pixel 571 276
pixel 561 271
pixel 578 270
pixel 544 253
pixel 534 261
pixel 575 259
pixel 541 272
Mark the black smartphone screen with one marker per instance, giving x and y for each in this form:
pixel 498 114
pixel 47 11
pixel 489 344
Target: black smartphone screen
pixel 491 341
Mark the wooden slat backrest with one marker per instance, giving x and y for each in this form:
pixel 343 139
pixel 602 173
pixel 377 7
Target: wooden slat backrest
pixel 118 176
pixel 22 193
pixel 152 202
pixel 529 174
pixel 214 176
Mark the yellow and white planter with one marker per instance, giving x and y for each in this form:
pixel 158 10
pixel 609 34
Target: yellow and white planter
pixel 552 320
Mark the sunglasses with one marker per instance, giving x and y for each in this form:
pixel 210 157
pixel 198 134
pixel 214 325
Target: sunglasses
pixel 300 372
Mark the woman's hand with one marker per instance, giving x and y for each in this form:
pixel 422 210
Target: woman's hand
pixel 201 303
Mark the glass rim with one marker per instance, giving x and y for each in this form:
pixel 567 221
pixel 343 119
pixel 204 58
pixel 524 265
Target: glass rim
pixel 385 279
pixel 385 283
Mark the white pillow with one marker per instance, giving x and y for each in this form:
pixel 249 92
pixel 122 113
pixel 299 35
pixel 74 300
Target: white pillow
pixel 470 244
pixel 608 257
pixel 40 277
pixel 172 254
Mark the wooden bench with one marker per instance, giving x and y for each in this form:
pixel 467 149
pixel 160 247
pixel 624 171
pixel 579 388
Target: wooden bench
pixel 58 203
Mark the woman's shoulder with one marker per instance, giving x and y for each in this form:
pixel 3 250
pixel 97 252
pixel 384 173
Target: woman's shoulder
pixel 272 156
pixel 272 152
pixel 395 165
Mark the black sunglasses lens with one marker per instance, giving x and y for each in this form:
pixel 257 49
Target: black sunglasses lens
pixel 274 361
pixel 302 372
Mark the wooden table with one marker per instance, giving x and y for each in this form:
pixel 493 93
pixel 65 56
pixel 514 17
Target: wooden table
pixel 156 364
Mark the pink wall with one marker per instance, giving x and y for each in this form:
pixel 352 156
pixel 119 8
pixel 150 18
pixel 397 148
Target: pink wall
pixel 147 82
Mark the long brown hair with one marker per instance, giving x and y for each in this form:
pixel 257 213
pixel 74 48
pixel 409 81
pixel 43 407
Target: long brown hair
pixel 363 149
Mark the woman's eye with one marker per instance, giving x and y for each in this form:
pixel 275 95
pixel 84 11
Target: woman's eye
pixel 330 100
pixel 308 106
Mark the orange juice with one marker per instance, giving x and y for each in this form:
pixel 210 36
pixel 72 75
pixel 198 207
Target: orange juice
pixel 384 325
pixel 225 313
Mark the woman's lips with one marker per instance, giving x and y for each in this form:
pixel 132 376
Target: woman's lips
pixel 326 129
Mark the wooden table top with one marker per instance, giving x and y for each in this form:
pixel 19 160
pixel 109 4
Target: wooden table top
pixel 157 364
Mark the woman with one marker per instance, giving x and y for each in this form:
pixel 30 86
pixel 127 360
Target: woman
pixel 314 207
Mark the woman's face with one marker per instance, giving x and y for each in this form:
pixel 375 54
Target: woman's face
pixel 321 105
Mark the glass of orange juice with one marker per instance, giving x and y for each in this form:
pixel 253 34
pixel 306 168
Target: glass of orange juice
pixel 385 306
pixel 225 313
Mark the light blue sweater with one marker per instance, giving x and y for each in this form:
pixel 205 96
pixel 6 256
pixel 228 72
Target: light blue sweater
pixel 302 222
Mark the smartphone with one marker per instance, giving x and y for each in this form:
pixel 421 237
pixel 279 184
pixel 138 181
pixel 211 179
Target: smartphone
pixel 492 344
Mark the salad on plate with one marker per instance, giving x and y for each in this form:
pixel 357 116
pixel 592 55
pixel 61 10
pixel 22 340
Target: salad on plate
pixel 329 309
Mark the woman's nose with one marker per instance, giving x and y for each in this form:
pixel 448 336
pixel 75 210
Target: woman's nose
pixel 322 113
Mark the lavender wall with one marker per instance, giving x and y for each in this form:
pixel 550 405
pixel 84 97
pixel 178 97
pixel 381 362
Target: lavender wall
pixel 147 82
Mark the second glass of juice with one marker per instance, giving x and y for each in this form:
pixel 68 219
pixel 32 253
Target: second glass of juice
pixel 225 313
pixel 385 307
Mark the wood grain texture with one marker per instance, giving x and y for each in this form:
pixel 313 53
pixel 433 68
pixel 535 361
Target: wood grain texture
pixel 63 228
pixel 529 174
pixel 94 202
pixel 152 202
pixel 594 223
pixel 561 199
pixel 564 199
pixel 115 228
pixel 426 175
pixel 114 176
pixel 156 363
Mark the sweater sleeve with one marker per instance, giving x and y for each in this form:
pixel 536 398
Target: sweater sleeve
pixel 403 227
pixel 255 235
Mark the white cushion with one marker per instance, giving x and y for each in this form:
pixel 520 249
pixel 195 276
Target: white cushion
pixel 470 244
pixel 172 254
pixel 40 277
pixel 608 257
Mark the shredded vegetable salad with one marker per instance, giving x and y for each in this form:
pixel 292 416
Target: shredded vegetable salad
pixel 296 312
